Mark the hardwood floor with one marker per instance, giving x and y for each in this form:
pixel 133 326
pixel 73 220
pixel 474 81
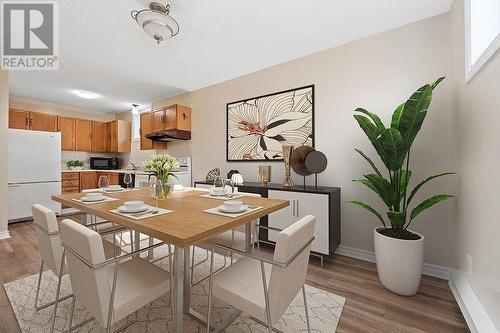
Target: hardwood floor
pixel 368 308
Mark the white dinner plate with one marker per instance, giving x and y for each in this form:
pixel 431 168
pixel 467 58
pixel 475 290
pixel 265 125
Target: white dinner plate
pixel 87 199
pixel 242 209
pixel 109 189
pixel 123 209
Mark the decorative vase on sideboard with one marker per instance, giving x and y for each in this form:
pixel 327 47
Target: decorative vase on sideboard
pixel 399 262
pixel 287 156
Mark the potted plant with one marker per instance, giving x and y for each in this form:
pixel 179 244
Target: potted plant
pixel 161 166
pixel 75 165
pixel 398 250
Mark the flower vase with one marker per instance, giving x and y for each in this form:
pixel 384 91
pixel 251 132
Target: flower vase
pixel 161 188
pixel 287 156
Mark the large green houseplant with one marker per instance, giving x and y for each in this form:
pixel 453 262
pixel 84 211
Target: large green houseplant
pixel 393 145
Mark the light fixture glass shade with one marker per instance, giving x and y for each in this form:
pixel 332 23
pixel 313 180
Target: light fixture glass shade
pixel 135 109
pixel 159 26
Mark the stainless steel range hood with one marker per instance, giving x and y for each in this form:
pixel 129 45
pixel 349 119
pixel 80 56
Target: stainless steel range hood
pixel 169 135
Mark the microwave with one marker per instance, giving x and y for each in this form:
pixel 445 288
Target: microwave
pixel 104 163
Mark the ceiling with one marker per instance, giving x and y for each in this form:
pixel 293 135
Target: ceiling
pixel 103 50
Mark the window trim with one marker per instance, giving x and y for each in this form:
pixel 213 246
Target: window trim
pixel 134 139
pixel 472 69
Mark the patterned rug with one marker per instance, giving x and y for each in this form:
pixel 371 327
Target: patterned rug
pixel 324 308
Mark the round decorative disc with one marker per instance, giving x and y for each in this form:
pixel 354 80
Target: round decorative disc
pixel 316 162
pixel 299 158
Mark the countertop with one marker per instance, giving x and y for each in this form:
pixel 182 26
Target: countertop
pixel 140 172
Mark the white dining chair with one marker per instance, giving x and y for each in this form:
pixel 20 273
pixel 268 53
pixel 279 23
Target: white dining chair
pixel 232 238
pixel 49 243
pixel 262 287
pixel 109 289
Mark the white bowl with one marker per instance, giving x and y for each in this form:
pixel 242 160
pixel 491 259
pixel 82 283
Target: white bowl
pixel 93 195
pixel 115 187
pixel 133 205
pixel 233 205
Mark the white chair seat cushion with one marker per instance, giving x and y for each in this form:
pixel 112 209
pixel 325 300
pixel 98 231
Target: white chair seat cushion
pixel 241 286
pixel 225 239
pixel 138 283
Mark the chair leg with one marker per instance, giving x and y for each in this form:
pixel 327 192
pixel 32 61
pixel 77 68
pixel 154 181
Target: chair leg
pixel 266 297
pixel 72 313
pixel 306 309
pixel 131 241
pixel 58 291
pixel 38 286
pixel 151 252
pixel 210 285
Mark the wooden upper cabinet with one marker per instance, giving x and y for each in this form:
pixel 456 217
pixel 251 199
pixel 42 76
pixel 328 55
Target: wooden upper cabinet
pixel 172 117
pixel 158 120
pixel 43 122
pixel 83 134
pixel 120 136
pixel 67 127
pixel 182 117
pixel 146 128
pixel 100 137
pixel 19 119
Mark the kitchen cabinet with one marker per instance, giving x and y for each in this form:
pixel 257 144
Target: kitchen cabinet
pixel 113 177
pixel 120 136
pixel 19 119
pixel 70 183
pixel 100 136
pixel 83 134
pixel 36 121
pixel 146 119
pixel 88 180
pixel 172 117
pixel 67 127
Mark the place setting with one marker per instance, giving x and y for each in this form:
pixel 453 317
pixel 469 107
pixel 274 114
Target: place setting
pixel 94 197
pixel 232 208
pixel 138 210
pixel 219 190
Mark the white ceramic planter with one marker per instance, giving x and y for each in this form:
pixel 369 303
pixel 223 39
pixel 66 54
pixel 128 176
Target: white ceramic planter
pixel 399 262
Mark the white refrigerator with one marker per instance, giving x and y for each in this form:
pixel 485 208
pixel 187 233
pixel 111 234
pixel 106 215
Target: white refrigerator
pixel 34 172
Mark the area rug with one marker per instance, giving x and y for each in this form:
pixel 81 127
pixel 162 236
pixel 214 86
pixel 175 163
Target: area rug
pixel 325 308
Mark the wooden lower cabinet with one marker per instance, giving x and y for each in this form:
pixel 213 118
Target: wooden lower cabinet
pixel 113 177
pixel 88 180
pixel 70 183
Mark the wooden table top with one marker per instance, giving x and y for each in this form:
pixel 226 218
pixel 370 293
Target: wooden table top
pixel 186 225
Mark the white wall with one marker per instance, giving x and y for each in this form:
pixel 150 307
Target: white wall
pixel 378 73
pixel 4 124
pixel 477 227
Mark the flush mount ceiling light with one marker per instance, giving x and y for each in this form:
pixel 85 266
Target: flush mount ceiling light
pixel 85 94
pixel 156 21
pixel 135 109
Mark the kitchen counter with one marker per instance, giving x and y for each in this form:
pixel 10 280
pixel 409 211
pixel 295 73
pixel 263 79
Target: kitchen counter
pixel 136 172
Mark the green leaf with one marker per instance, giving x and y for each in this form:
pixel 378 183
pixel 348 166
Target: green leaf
pixel 374 117
pixel 369 161
pixel 384 188
pixel 413 114
pixel 365 206
pixel 373 133
pixel 394 148
pixel 415 190
pixel 438 81
pixel 429 203
pixel 396 116
pixel 398 220
pixel 405 179
pixel 372 187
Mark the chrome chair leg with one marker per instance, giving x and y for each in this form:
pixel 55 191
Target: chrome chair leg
pixel 266 297
pixel 306 309
pixel 151 252
pixel 210 285
pixel 38 286
pixel 71 314
pixel 208 276
pixel 58 291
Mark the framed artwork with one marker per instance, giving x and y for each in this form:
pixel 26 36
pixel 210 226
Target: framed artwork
pixel 258 127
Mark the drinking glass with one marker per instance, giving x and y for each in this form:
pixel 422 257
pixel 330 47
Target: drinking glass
pixel 219 186
pixel 127 179
pixel 103 183
pixel 155 186
pixel 229 182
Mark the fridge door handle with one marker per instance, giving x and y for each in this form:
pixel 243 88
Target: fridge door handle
pixel 13 185
pixel 298 208
pixel 293 207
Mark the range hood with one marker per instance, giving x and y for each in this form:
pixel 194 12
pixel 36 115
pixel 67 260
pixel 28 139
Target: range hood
pixel 169 135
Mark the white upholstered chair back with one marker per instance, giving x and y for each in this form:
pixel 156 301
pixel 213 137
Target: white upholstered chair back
pixel 285 283
pixel 90 286
pixel 241 228
pixel 49 245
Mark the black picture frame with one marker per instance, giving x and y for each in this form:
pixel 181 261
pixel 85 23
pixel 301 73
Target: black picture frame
pixel 312 135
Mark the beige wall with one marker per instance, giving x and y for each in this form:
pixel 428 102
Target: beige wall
pixel 477 110
pixel 58 109
pixel 378 73
pixel 4 123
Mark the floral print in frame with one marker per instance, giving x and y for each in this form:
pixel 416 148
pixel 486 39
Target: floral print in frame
pixel 258 127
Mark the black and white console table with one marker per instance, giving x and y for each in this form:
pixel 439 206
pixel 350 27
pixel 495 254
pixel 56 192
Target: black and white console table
pixel 323 202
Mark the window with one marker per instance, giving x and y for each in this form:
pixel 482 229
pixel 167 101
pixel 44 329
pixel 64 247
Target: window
pixel 482 33
pixel 136 126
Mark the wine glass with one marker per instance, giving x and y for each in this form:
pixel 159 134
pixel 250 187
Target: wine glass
pixel 155 186
pixel 219 186
pixel 103 183
pixel 228 182
pixel 127 179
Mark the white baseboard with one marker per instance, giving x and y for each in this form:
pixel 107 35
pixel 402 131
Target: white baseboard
pixel 476 317
pixel 428 269
pixel 4 235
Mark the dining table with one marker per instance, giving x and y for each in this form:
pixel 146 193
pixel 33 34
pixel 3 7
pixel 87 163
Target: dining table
pixel 185 225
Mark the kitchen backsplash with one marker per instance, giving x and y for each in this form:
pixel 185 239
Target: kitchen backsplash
pixel 138 156
pixel 82 156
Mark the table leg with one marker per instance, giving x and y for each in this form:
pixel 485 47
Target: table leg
pixel 137 241
pixel 187 280
pixel 248 237
pixel 178 290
